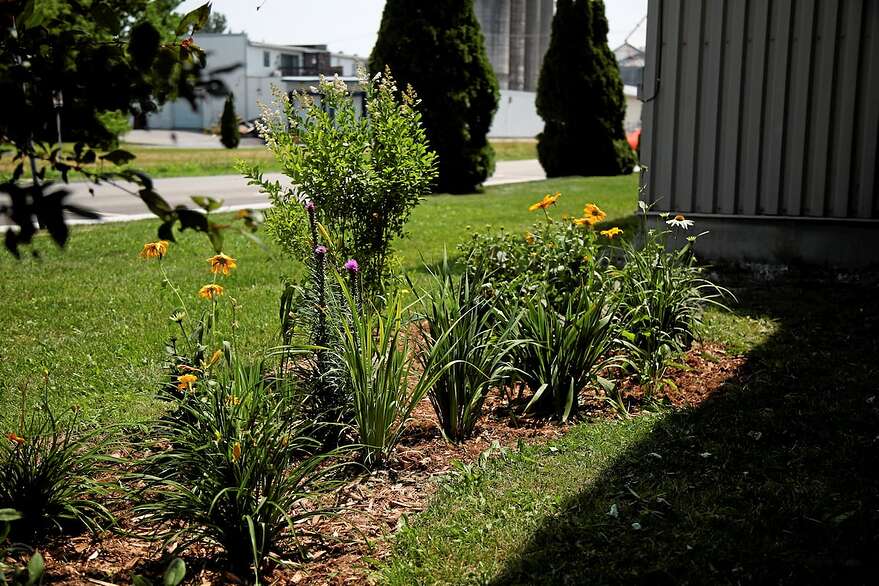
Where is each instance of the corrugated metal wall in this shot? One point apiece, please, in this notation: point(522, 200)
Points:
point(762, 107)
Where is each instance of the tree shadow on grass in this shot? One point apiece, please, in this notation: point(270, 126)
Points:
point(774, 482)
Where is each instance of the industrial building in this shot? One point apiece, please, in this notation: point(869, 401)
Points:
point(761, 123)
point(517, 36)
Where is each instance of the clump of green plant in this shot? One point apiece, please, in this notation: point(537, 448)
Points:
point(48, 472)
point(569, 346)
point(230, 136)
point(465, 342)
point(375, 357)
point(363, 171)
point(553, 256)
point(662, 297)
point(232, 469)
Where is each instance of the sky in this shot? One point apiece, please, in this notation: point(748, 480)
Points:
point(351, 26)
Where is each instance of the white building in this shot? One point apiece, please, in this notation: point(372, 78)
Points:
point(260, 66)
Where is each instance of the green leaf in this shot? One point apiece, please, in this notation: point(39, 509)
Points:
point(118, 157)
point(139, 580)
point(156, 204)
point(196, 19)
point(35, 568)
point(191, 219)
point(8, 515)
point(175, 572)
point(209, 204)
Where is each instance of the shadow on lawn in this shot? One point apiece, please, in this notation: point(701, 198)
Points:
point(774, 482)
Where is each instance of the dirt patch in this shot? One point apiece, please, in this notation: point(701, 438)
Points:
point(343, 548)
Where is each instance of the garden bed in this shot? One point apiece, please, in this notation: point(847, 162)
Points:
point(344, 548)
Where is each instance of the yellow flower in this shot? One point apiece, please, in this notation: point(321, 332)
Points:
point(184, 381)
point(220, 263)
point(582, 221)
point(529, 237)
point(544, 203)
point(211, 291)
point(215, 357)
point(236, 452)
point(232, 400)
point(594, 213)
point(611, 233)
point(156, 249)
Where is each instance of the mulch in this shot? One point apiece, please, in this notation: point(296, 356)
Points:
point(343, 548)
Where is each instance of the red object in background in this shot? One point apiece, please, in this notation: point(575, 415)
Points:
point(634, 139)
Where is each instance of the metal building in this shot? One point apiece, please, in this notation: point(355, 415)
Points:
point(761, 122)
point(517, 34)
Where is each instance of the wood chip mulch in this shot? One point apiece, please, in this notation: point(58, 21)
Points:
point(343, 548)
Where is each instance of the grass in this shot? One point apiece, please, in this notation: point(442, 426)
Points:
point(183, 162)
point(95, 317)
point(772, 481)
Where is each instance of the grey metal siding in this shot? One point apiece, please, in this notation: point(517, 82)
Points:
point(762, 108)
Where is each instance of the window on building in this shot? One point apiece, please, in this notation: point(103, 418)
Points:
point(266, 59)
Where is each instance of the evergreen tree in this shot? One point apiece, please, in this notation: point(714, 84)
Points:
point(229, 134)
point(580, 97)
point(438, 48)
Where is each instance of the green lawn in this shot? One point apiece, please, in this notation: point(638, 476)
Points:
point(773, 481)
point(181, 162)
point(95, 315)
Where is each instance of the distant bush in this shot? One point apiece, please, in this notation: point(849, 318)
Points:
point(230, 136)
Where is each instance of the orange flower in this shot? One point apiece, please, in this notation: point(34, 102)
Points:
point(544, 203)
point(594, 213)
point(220, 263)
point(156, 249)
point(211, 291)
point(185, 381)
point(612, 232)
point(582, 221)
point(236, 452)
point(13, 437)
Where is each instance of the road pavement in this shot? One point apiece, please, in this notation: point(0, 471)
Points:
point(117, 205)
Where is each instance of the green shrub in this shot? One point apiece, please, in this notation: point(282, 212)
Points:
point(230, 136)
point(439, 49)
point(231, 467)
point(13, 574)
point(48, 471)
point(465, 343)
point(553, 256)
point(570, 343)
point(363, 174)
point(580, 97)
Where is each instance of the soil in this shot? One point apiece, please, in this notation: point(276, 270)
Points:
point(344, 548)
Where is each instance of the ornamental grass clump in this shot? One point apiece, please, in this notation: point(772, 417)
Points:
point(234, 469)
point(48, 473)
point(663, 295)
point(385, 386)
point(569, 345)
point(466, 343)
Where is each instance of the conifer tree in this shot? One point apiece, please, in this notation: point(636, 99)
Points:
point(438, 48)
point(229, 133)
point(580, 97)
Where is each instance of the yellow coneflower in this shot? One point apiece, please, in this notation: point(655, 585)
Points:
point(236, 452)
point(156, 249)
point(611, 233)
point(221, 263)
point(544, 203)
point(185, 381)
point(211, 291)
point(594, 213)
point(232, 401)
point(529, 237)
point(14, 438)
point(582, 221)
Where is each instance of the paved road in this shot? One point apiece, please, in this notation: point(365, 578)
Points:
point(114, 204)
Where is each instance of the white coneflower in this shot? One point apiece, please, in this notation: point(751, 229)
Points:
point(679, 221)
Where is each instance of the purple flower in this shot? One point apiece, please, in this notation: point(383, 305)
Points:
point(320, 250)
point(351, 266)
point(309, 205)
